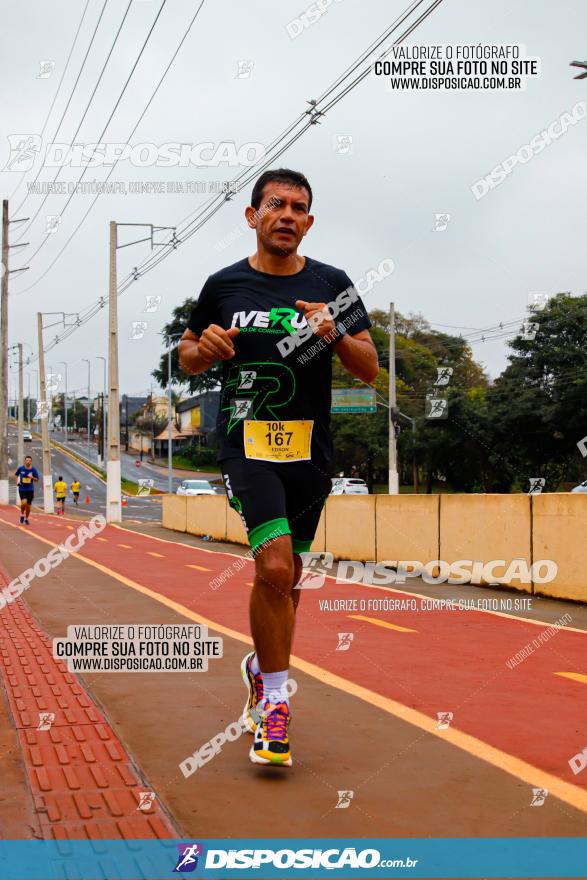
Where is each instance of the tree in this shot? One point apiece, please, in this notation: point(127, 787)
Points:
point(539, 403)
point(196, 384)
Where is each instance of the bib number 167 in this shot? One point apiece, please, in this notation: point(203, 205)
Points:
point(277, 435)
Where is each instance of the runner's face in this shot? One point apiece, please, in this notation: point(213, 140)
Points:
point(28, 461)
point(282, 218)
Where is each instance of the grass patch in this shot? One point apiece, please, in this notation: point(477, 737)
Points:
point(186, 464)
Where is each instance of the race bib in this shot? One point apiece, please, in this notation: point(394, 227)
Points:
point(27, 480)
point(278, 441)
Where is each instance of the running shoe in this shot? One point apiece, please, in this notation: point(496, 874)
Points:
point(271, 745)
point(21, 520)
point(254, 686)
point(26, 522)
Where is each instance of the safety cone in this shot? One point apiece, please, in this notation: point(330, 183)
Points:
point(87, 499)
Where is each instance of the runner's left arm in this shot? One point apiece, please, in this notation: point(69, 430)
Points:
point(357, 352)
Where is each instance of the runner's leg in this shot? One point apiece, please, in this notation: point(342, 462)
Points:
point(271, 608)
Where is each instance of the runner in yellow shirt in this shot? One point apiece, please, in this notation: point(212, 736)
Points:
point(75, 487)
point(60, 493)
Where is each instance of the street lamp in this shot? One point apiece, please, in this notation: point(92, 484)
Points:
point(65, 400)
point(89, 420)
point(100, 357)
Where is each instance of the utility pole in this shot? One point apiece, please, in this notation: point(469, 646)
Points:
point(28, 399)
point(113, 494)
point(20, 423)
point(65, 401)
point(100, 357)
point(169, 422)
point(393, 475)
point(4, 360)
point(89, 419)
point(4, 273)
point(44, 417)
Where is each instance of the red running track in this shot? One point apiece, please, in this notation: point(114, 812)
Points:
point(454, 661)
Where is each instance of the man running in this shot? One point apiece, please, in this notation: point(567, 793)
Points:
point(266, 319)
point(60, 493)
point(75, 487)
point(26, 476)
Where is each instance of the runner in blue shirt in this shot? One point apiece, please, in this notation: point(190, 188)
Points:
point(26, 477)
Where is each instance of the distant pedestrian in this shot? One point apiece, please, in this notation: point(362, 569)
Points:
point(60, 493)
point(26, 477)
point(75, 488)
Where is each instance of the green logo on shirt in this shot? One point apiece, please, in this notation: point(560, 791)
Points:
point(276, 320)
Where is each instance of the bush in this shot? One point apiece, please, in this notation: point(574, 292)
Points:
point(201, 456)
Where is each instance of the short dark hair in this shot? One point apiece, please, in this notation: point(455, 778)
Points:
point(29, 456)
point(279, 175)
point(60, 477)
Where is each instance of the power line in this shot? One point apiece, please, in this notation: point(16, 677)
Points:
point(248, 174)
point(83, 64)
point(149, 102)
point(75, 134)
point(82, 175)
point(73, 45)
point(208, 211)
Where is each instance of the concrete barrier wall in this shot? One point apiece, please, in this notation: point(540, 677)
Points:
point(175, 512)
point(480, 528)
point(319, 544)
point(406, 527)
point(350, 526)
point(484, 528)
point(560, 533)
point(206, 515)
point(235, 530)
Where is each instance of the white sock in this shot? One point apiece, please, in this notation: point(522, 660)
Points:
point(255, 668)
point(274, 688)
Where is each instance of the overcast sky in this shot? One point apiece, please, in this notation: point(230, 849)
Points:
point(414, 154)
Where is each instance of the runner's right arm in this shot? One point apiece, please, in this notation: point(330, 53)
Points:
point(198, 353)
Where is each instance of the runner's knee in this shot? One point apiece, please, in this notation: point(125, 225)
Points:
point(275, 571)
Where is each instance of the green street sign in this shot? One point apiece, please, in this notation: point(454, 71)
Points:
point(353, 400)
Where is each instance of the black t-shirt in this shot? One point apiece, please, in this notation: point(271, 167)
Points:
point(280, 370)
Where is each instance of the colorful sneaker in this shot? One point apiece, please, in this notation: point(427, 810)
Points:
point(254, 686)
point(271, 745)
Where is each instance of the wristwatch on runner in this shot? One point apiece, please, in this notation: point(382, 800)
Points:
point(340, 331)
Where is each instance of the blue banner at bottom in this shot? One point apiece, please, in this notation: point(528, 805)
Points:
point(294, 858)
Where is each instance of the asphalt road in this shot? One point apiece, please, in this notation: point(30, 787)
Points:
point(92, 487)
point(129, 468)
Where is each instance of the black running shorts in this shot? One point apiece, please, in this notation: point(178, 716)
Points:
point(277, 499)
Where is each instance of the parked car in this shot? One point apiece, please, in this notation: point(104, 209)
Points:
point(27, 436)
point(582, 487)
point(195, 487)
point(349, 486)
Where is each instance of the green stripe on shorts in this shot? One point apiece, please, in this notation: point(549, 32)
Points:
point(300, 546)
point(273, 528)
